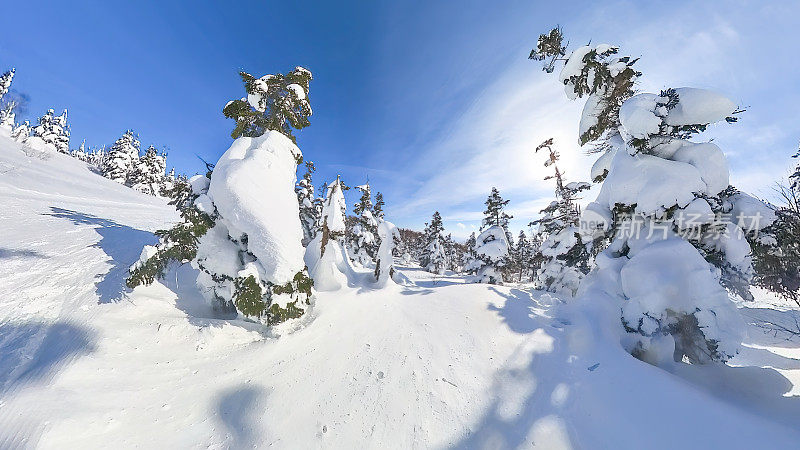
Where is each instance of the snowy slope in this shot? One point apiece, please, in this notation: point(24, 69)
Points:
point(431, 363)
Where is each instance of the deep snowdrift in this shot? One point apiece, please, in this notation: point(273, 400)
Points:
point(431, 363)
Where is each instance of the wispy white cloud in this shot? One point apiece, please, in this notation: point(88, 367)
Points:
point(493, 144)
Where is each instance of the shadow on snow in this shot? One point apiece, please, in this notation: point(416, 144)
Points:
point(122, 244)
point(530, 391)
point(9, 253)
point(238, 410)
point(517, 311)
point(53, 346)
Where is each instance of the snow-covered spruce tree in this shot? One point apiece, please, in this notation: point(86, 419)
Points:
point(97, 157)
point(495, 214)
point(471, 262)
point(388, 240)
point(45, 128)
point(274, 102)
point(310, 209)
point(21, 132)
point(53, 130)
point(80, 153)
point(5, 82)
point(325, 255)
point(492, 244)
point(451, 254)
point(149, 174)
point(521, 257)
point(432, 256)
point(594, 72)
point(7, 117)
point(377, 208)
point(122, 158)
point(776, 249)
point(241, 226)
point(564, 255)
point(536, 258)
point(61, 140)
point(363, 245)
point(666, 206)
point(410, 245)
point(384, 264)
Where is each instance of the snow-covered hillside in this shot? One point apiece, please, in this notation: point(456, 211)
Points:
point(433, 362)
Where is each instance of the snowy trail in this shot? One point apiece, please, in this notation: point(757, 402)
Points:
point(435, 363)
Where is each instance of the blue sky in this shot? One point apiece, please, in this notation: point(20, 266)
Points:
point(434, 102)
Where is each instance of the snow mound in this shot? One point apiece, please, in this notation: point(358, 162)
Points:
point(709, 160)
point(252, 187)
point(493, 243)
point(642, 115)
point(329, 271)
point(694, 214)
point(637, 116)
point(750, 213)
point(649, 182)
point(669, 277)
point(699, 106)
point(560, 243)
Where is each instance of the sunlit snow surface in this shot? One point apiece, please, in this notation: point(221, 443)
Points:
point(430, 362)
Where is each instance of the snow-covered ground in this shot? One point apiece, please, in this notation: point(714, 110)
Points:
point(433, 362)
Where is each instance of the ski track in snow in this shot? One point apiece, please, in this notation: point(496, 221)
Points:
point(430, 364)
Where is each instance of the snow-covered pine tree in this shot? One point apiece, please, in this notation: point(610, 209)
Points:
point(384, 263)
point(97, 158)
point(309, 209)
point(81, 154)
point(170, 180)
point(53, 130)
point(274, 102)
point(665, 205)
point(377, 208)
point(241, 226)
point(44, 128)
point(594, 72)
point(5, 82)
point(495, 214)
point(511, 247)
point(178, 244)
point(451, 253)
point(522, 257)
point(536, 258)
point(492, 244)
point(61, 127)
point(325, 255)
point(410, 245)
point(363, 239)
point(565, 257)
point(432, 256)
point(7, 117)
point(21, 132)
point(122, 158)
point(333, 215)
point(471, 262)
point(776, 249)
point(149, 174)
